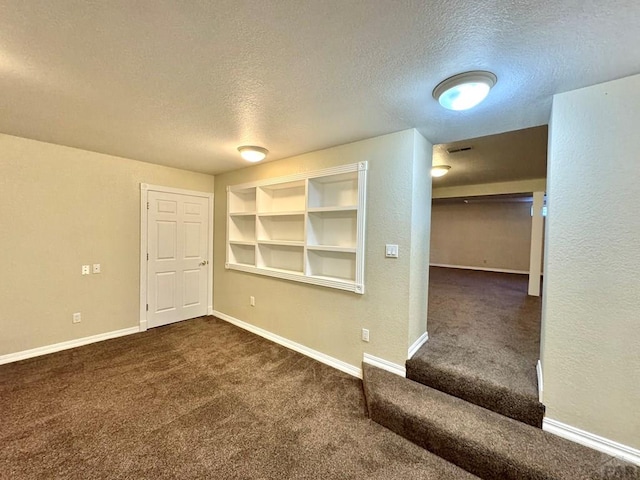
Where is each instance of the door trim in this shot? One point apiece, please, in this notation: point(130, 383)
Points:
point(145, 188)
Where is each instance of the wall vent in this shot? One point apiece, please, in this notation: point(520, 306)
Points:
point(458, 150)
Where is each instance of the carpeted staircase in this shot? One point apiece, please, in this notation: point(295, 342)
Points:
point(444, 365)
point(485, 443)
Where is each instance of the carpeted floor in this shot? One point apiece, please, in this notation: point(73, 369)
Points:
point(484, 335)
point(199, 399)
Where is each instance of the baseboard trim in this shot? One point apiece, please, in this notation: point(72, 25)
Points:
point(591, 440)
point(57, 347)
point(297, 347)
point(384, 364)
point(417, 344)
point(540, 382)
point(481, 269)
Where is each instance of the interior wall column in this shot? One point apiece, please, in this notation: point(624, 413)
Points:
point(535, 256)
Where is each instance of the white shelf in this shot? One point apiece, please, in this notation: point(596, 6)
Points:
point(242, 254)
point(285, 243)
point(307, 227)
point(242, 200)
point(330, 248)
point(281, 257)
point(289, 228)
point(241, 228)
point(333, 209)
point(333, 228)
point(242, 214)
point(281, 214)
point(281, 197)
point(334, 190)
point(331, 264)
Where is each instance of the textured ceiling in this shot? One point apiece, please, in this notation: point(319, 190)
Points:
point(517, 155)
point(184, 83)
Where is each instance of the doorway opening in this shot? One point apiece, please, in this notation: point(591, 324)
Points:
point(484, 312)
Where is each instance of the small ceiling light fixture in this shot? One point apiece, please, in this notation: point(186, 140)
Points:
point(440, 170)
point(251, 153)
point(465, 90)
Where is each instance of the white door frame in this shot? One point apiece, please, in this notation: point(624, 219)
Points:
point(144, 198)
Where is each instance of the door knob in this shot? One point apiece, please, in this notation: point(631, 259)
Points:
point(204, 262)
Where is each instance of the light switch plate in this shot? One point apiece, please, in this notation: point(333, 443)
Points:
point(96, 268)
point(391, 251)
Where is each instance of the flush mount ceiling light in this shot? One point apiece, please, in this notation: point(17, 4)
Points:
point(252, 153)
point(465, 90)
point(440, 170)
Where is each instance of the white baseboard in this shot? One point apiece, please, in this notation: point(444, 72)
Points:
point(309, 352)
point(56, 347)
point(417, 344)
point(481, 269)
point(540, 381)
point(596, 442)
point(384, 364)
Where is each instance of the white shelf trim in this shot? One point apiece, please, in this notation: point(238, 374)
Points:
point(331, 248)
point(353, 167)
point(284, 243)
point(242, 242)
point(281, 214)
point(242, 214)
point(350, 208)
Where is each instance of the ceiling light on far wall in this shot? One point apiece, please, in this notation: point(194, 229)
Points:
point(252, 153)
point(465, 90)
point(440, 170)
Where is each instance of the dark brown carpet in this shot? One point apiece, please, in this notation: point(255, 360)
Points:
point(485, 443)
point(199, 399)
point(484, 341)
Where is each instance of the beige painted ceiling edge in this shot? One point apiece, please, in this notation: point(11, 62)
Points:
point(184, 84)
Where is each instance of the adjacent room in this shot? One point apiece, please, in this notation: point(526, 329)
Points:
point(223, 253)
point(484, 315)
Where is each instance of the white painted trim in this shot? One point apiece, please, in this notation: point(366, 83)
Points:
point(145, 188)
point(347, 168)
point(481, 269)
point(540, 381)
point(537, 244)
point(591, 440)
point(384, 364)
point(422, 339)
point(56, 347)
point(297, 347)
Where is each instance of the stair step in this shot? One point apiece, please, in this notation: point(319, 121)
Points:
point(484, 443)
point(518, 404)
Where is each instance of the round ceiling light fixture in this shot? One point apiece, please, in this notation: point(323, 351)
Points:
point(440, 170)
point(465, 90)
point(251, 153)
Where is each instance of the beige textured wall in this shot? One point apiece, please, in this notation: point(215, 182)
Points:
point(326, 319)
point(60, 208)
point(485, 235)
point(591, 309)
point(420, 238)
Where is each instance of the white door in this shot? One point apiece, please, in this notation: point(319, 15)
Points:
point(177, 265)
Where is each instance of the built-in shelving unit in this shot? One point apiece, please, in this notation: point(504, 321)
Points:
point(307, 227)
